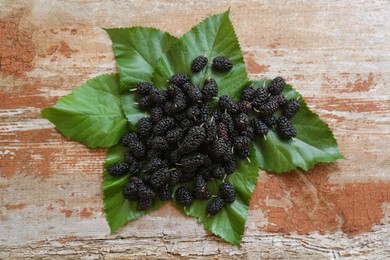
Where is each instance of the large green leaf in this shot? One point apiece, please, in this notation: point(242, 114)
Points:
point(314, 142)
point(229, 223)
point(137, 51)
point(213, 37)
point(118, 209)
point(91, 114)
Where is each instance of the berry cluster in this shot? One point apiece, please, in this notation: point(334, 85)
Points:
point(186, 141)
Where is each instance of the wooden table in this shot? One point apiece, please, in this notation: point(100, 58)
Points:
point(336, 53)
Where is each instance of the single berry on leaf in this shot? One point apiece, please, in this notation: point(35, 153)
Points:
point(118, 169)
point(285, 128)
point(144, 88)
point(227, 192)
point(184, 196)
point(179, 79)
point(291, 108)
point(215, 206)
point(199, 63)
point(276, 86)
point(222, 64)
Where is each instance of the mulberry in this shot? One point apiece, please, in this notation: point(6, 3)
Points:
point(227, 192)
point(154, 164)
point(199, 63)
point(260, 98)
point(259, 127)
point(249, 132)
point(146, 102)
point(163, 125)
point(243, 154)
point(218, 148)
point(184, 196)
point(156, 114)
point(193, 113)
point(291, 108)
point(203, 195)
point(242, 121)
point(279, 99)
point(179, 79)
point(160, 143)
point(285, 128)
point(215, 206)
point(241, 142)
point(270, 121)
point(199, 183)
point(223, 131)
point(159, 177)
point(129, 158)
point(230, 166)
point(190, 163)
point(248, 94)
point(245, 106)
point(205, 112)
point(144, 126)
point(130, 191)
point(175, 175)
point(218, 172)
point(194, 94)
point(179, 103)
point(210, 89)
point(173, 90)
point(144, 88)
point(193, 139)
point(136, 167)
point(118, 169)
point(174, 136)
point(137, 148)
point(144, 204)
point(268, 108)
point(129, 138)
point(205, 172)
point(145, 192)
point(211, 131)
point(222, 64)
point(276, 86)
point(228, 121)
point(159, 97)
point(165, 193)
point(229, 104)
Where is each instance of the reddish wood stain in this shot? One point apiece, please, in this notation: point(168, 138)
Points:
point(301, 203)
point(16, 48)
point(52, 49)
point(15, 206)
point(68, 212)
point(361, 84)
point(65, 49)
point(85, 213)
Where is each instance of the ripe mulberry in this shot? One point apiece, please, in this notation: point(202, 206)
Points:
point(268, 108)
point(229, 104)
point(145, 192)
point(160, 143)
point(241, 142)
point(184, 196)
point(227, 191)
point(211, 131)
point(223, 131)
point(218, 148)
point(179, 79)
point(144, 88)
point(242, 121)
point(136, 167)
point(146, 102)
point(165, 193)
point(270, 121)
point(159, 97)
point(118, 169)
point(199, 63)
point(243, 154)
point(144, 204)
point(159, 177)
point(215, 206)
point(129, 158)
point(129, 138)
point(260, 98)
point(285, 128)
point(156, 114)
point(130, 191)
point(190, 163)
point(175, 175)
point(248, 94)
point(230, 166)
point(163, 125)
point(210, 89)
point(193, 139)
point(194, 94)
point(222, 64)
point(193, 113)
point(218, 172)
point(245, 106)
point(174, 136)
point(154, 164)
point(144, 126)
point(279, 99)
point(249, 132)
point(276, 86)
point(259, 127)
point(291, 108)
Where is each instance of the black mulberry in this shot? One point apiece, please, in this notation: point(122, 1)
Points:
point(129, 138)
point(165, 193)
point(268, 108)
point(159, 177)
point(229, 104)
point(245, 106)
point(174, 135)
point(146, 102)
point(190, 163)
point(160, 143)
point(163, 125)
point(218, 148)
point(242, 121)
point(291, 108)
point(215, 206)
point(159, 97)
point(144, 126)
point(285, 128)
point(260, 98)
point(118, 169)
point(279, 99)
point(270, 121)
point(136, 167)
point(156, 114)
point(210, 89)
point(227, 191)
point(248, 94)
point(222, 64)
point(259, 127)
point(218, 172)
point(184, 196)
point(199, 63)
point(144, 88)
point(241, 142)
point(145, 192)
point(179, 79)
point(276, 86)
point(194, 94)
point(194, 138)
point(230, 166)
point(144, 204)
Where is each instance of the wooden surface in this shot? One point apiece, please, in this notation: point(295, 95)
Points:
point(336, 53)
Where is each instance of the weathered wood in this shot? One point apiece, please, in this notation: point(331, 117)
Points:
point(336, 53)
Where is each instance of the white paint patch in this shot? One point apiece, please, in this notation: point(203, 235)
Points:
point(25, 125)
point(7, 153)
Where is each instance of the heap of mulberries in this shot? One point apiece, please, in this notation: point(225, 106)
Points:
point(185, 144)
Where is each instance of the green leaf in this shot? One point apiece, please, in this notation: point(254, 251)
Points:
point(314, 142)
point(118, 209)
point(229, 223)
point(132, 111)
point(213, 37)
point(137, 51)
point(91, 114)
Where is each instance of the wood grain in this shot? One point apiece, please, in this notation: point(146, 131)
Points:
point(336, 53)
